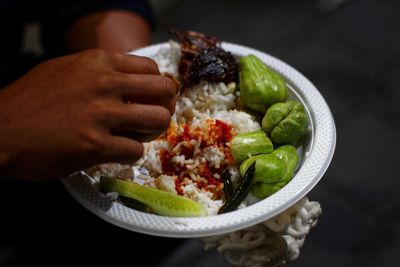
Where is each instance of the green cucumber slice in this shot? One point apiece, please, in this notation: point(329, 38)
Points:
point(161, 202)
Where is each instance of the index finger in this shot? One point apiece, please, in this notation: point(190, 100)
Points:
point(126, 63)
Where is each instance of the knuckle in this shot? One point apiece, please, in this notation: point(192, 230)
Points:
point(94, 56)
point(91, 142)
point(96, 53)
point(97, 106)
point(98, 111)
point(106, 80)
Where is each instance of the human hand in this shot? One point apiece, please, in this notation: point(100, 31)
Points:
point(71, 113)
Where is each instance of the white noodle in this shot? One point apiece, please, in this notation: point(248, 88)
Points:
point(270, 243)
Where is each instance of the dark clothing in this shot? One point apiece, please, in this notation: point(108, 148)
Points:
point(54, 18)
point(42, 225)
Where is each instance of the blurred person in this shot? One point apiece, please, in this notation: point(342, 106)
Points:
point(80, 101)
point(71, 112)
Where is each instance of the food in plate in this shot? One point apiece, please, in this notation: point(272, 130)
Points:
point(160, 202)
point(285, 123)
point(222, 150)
point(260, 87)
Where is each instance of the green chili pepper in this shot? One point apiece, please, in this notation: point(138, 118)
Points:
point(228, 187)
point(241, 191)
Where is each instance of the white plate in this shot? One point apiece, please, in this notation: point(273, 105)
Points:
point(317, 153)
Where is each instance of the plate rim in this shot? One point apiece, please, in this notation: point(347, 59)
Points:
point(94, 201)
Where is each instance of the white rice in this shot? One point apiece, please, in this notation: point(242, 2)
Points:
point(168, 58)
point(196, 105)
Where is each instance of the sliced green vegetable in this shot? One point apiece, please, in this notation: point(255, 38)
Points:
point(247, 163)
point(134, 204)
point(286, 123)
point(161, 202)
point(274, 170)
point(240, 193)
point(270, 169)
point(249, 144)
point(260, 87)
point(264, 190)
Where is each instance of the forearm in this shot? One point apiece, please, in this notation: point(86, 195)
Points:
point(68, 114)
point(112, 30)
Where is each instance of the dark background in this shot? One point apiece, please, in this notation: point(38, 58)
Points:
point(351, 53)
